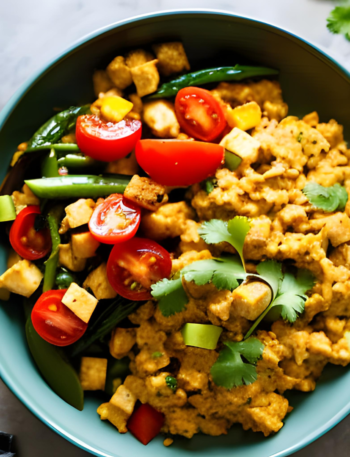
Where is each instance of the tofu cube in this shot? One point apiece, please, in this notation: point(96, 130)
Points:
point(138, 57)
point(102, 82)
point(160, 116)
point(80, 302)
point(242, 144)
point(125, 166)
point(122, 341)
point(251, 299)
point(79, 212)
point(67, 259)
point(24, 198)
point(98, 282)
point(119, 73)
point(114, 415)
point(146, 78)
point(146, 193)
point(244, 117)
point(23, 278)
point(84, 245)
point(93, 373)
point(172, 58)
point(124, 399)
point(114, 109)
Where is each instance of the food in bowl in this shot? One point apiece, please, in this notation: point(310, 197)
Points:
point(205, 271)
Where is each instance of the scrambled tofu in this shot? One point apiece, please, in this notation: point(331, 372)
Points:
point(93, 373)
point(146, 78)
point(171, 57)
point(160, 116)
point(119, 73)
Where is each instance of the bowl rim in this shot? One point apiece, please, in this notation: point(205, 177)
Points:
point(16, 98)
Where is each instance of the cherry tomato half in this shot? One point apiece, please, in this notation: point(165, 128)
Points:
point(179, 162)
point(54, 322)
point(29, 243)
point(115, 220)
point(135, 265)
point(106, 141)
point(199, 113)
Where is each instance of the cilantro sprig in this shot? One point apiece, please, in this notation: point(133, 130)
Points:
point(230, 370)
point(326, 198)
point(339, 21)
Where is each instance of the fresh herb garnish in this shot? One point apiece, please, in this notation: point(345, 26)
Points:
point(339, 21)
point(230, 370)
point(209, 185)
point(156, 355)
point(326, 198)
point(171, 382)
point(171, 296)
point(233, 232)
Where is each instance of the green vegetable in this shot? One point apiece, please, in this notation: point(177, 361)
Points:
point(232, 161)
point(328, 199)
point(211, 75)
point(7, 209)
point(230, 370)
point(116, 369)
point(100, 326)
point(347, 336)
point(233, 232)
point(271, 272)
point(156, 355)
point(55, 368)
point(57, 147)
point(171, 382)
point(201, 335)
point(79, 161)
point(53, 219)
point(339, 21)
point(49, 166)
point(171, 296)
point(64, 279)
point(209, 185)
point(289, 300)
point(56, 127)
point(75, 186)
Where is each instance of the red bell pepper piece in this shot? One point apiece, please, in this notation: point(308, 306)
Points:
point(145, 423)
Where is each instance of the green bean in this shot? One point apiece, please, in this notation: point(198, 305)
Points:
point(53, 218)
point(74, 186)
point(49, 166)
point(211, 75)
point(55, 368)
point(79, 161)
point(57, 147)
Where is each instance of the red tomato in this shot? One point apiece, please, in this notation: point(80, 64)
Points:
point(104, 140)
point(115, 220)
point(54, 322)
point(25, 240)
point(145, 423)
point(179, 162)
point(135, 265)
point(199, 113)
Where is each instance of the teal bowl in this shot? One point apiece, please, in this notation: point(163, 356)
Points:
point(310, 80)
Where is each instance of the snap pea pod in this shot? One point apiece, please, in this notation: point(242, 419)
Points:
point(56, 146)
point(54, 129)
point(65, 278)
point(49, 166)
point(211, 75)
point(79, 161)
point(55, 368)
point(53, 219)
point(78, 186)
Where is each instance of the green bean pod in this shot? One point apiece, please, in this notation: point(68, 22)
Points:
point(56, 146)
point(79, 161)
point(49, 166)
point(211, 75)
point(53, 219)
point(55, 368)
point(75, 186)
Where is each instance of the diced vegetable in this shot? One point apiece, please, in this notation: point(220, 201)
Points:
point(201, 335)
point(7, 209)
point(78, 186)
point(114, 109)
point(145, 423)
point(245, 117)
point(171, 382)
point(65, 278)
point(232, 161)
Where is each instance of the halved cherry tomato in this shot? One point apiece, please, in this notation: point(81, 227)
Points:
point(199, 113)
point(135, 265)
point(104, 140)
point(115, 220)
point(179, 162)
point(54, 322)
point(29, 243)
point(145, 423)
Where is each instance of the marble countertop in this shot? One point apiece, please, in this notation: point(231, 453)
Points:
point(32, 32)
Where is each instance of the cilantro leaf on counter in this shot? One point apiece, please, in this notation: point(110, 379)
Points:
point(339, 21)
point(230, 370)
point(233, 232)
point(327, 198)
point(171, 296)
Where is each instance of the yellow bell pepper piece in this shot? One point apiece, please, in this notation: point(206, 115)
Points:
point(244, 117)
point(114, 109)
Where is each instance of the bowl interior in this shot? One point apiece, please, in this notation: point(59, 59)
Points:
point(310, 81)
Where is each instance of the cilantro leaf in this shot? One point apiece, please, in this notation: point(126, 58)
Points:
point(171, 296)
point(300, 284)
point(230, 370)
point(233, 232)
point(271, 272)
point(171, 382)
point(291, 304)
point(222, 272)
point(339, 21)
point(327, 198)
